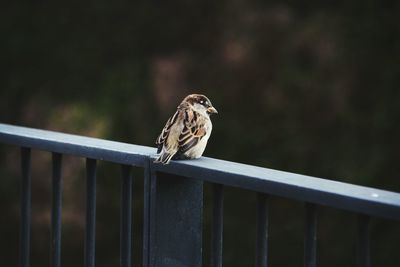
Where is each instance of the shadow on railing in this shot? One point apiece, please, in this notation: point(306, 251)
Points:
point(174, 193)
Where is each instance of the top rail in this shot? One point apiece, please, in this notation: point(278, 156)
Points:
point(335, 194)
point(75, 145)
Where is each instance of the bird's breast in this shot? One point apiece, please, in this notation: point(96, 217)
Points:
point(198, 150)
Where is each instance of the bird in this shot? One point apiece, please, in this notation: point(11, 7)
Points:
point(186, 133)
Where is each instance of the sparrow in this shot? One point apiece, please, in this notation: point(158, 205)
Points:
point(186, 133)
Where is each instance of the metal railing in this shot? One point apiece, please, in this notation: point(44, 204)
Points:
point(174, 193)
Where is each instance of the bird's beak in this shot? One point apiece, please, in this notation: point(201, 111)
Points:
point(212, 110)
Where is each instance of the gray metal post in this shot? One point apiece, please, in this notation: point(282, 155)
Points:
point(174, 221)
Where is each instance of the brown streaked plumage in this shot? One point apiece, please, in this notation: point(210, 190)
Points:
point(186, 133)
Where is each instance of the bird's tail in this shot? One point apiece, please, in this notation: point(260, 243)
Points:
point(164, 158)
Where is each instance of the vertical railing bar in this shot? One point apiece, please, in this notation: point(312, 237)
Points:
point(217, 225)
point(126, 217)
point(90, 213)
point(310, 236)
point(25, 207)
point(363, 240)
point(146, 213)
point(152, 260)
point(56, 211)
point(262, 230)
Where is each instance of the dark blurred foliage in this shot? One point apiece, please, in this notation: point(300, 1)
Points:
point(307, 87)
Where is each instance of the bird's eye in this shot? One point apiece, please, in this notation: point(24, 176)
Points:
point(201, 102)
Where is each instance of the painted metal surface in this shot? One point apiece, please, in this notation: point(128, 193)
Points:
point(299, 187)
point(262, 230)
point(310, 236)
point(176, 222)
point(56, 210)
point(173, 200)
point(126, 217)
point(217, 229)
point(90, 231)
point(26, 197)
point(363, 240)
point(81, 146)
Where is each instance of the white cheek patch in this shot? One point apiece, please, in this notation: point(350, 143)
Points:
point(200, 109)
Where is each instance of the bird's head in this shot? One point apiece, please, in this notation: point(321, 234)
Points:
point(201, 103)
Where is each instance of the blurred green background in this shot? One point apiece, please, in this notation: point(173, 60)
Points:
point(306, 87)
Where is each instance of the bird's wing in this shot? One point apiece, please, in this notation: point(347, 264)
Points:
point(165, 132)
point(193, 130)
